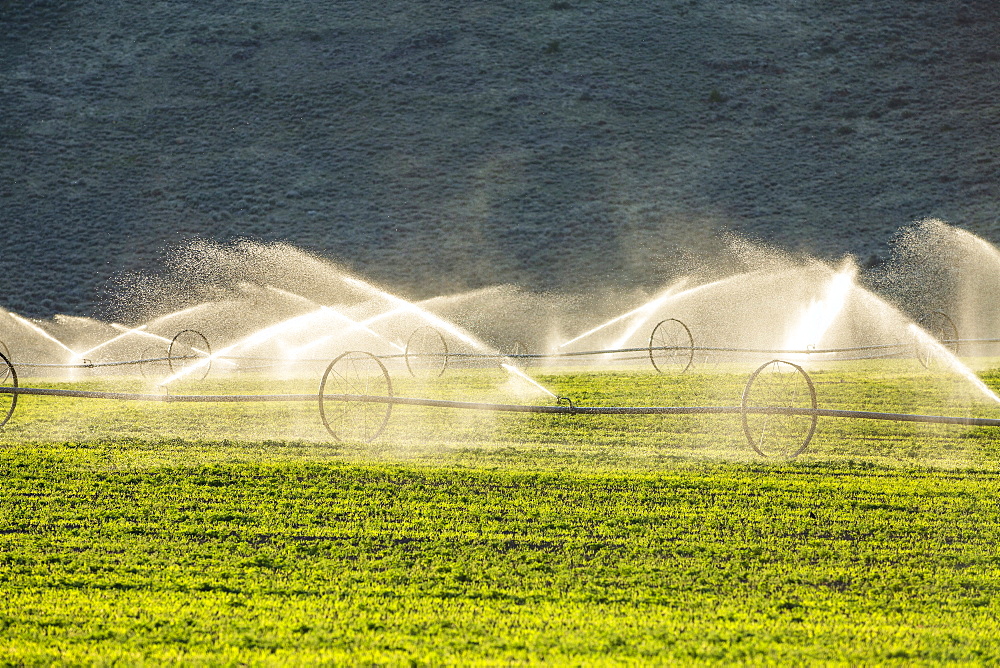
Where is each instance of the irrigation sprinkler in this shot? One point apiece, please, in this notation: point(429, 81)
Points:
point(436, 357)
point(671, 346)
point(426, 353)
point(518, 353)
point(350, 375)
point(189, 348)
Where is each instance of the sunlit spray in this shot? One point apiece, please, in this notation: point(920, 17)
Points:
point(448, 327)
point(641, 314)
point(820, 314)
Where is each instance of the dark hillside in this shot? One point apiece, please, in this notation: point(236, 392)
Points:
point(437, 146)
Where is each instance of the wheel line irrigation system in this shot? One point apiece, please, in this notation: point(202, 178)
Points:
point(344, 409)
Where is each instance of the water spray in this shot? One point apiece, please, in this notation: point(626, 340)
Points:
point(646, 310)
point(38, 330)
point(819, 316)
point(436, 321)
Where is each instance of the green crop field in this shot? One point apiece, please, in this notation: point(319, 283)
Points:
point(243, 534)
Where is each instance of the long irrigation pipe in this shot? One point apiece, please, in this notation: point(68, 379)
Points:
point(87, 364)
point(570, 409)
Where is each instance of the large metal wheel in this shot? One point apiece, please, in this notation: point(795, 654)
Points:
point(8, 401)
point(774, 432)
point(943, 329)
point(189, 349)
point(426, 353)
point(355, 397)
point(671, 346)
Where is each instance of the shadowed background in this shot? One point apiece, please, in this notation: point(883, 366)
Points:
point(436, 146)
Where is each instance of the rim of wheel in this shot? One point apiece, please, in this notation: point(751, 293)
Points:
point(426, 337)
point(194, 342)
point(672, 341)
point(10, 380)
point(355, 374)
point(772, 422)
point(5, 371)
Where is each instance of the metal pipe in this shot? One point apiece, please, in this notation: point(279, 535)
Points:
point(515, 356)
point(511, 408)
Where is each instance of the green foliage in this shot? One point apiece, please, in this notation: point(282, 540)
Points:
point(381, 563)
point(568, 541)
point(715, 97)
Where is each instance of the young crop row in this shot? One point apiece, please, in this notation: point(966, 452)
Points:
point(379, 562)
point(152, 533)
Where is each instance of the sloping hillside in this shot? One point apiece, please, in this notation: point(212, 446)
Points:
point(436, 145)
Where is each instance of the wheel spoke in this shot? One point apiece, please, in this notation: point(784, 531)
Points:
point(355, 373)
point(778, 385)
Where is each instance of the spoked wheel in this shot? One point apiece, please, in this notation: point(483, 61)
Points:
point(355, 397)
point(671, 346)
point(942, 328)
point(189, 349)
point(774, 387)
point(426, 353)
point(8, 401)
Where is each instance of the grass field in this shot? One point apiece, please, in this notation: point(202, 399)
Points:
point(227, 534)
